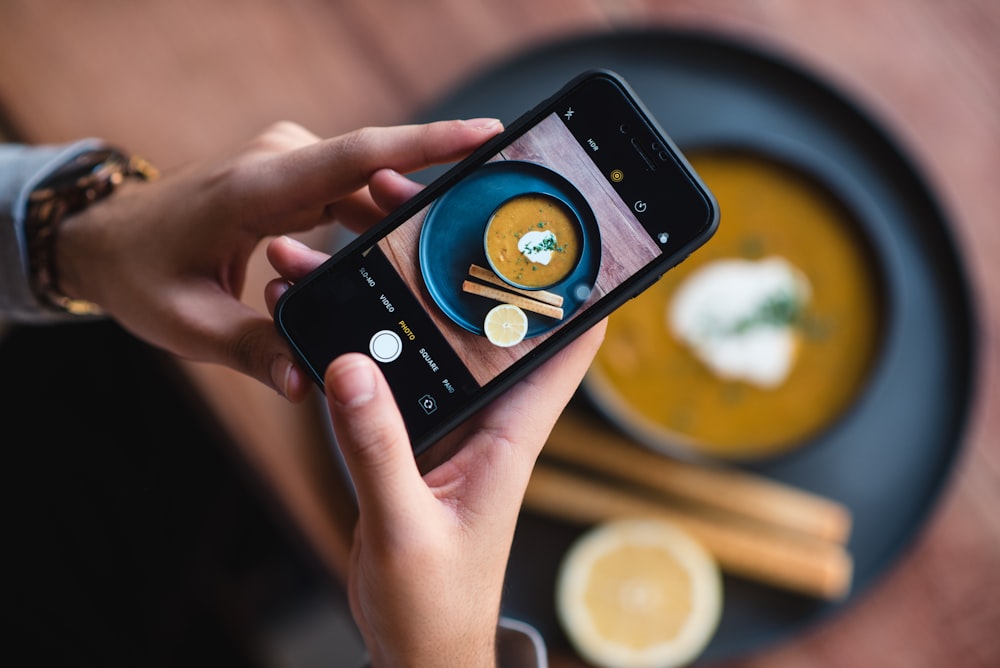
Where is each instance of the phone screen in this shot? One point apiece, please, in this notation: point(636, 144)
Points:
point(586, 202)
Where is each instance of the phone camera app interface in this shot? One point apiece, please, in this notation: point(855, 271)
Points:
point(520, 246)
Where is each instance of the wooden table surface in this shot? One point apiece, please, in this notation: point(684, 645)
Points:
point(183, 80)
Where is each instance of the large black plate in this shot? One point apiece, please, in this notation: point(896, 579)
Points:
point(887, 460)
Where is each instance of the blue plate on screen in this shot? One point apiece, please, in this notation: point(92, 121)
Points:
point(451, 240)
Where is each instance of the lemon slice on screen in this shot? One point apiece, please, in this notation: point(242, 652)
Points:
point(638, 594)
point(506, 325)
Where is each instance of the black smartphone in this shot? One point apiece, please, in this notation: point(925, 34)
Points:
point(579, 205)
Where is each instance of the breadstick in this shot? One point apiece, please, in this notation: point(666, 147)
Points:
point(484, 274)
point(747, 549)
point(740, 492)
point(511, 298)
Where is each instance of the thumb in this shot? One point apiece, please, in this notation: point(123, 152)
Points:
point(372, 437)
point(244, 340)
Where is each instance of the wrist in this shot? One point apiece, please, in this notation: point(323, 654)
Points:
point(449, 656)
point(90, 177)
point(92, 246)
point(434, 645)
point(76, 258)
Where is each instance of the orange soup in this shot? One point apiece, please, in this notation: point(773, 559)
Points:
point(767, 360)
point(533, 241)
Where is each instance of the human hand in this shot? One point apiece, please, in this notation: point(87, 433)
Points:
point(430, 551)
point(167, 259)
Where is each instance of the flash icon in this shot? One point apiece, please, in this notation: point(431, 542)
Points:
point(569, 113)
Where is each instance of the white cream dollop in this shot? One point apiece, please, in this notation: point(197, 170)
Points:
point(738, 317)
point(537, 246)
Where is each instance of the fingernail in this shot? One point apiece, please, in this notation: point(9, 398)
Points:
point(482, 123)
point(351, 383)
point(293, 241)
point(281, 374)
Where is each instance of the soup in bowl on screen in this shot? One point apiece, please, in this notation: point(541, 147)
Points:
point(533, 241)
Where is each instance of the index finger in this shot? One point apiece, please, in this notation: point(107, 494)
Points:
point(328, 170)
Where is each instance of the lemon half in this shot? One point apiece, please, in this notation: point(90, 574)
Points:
point(638, 594)
point(506, 325)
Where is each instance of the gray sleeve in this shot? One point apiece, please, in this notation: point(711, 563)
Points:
point(21, 169)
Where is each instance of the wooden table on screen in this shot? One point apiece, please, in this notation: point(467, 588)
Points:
point(183, 80)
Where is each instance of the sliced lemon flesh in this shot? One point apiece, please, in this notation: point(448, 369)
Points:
point(638, 594)
point(506, 325)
